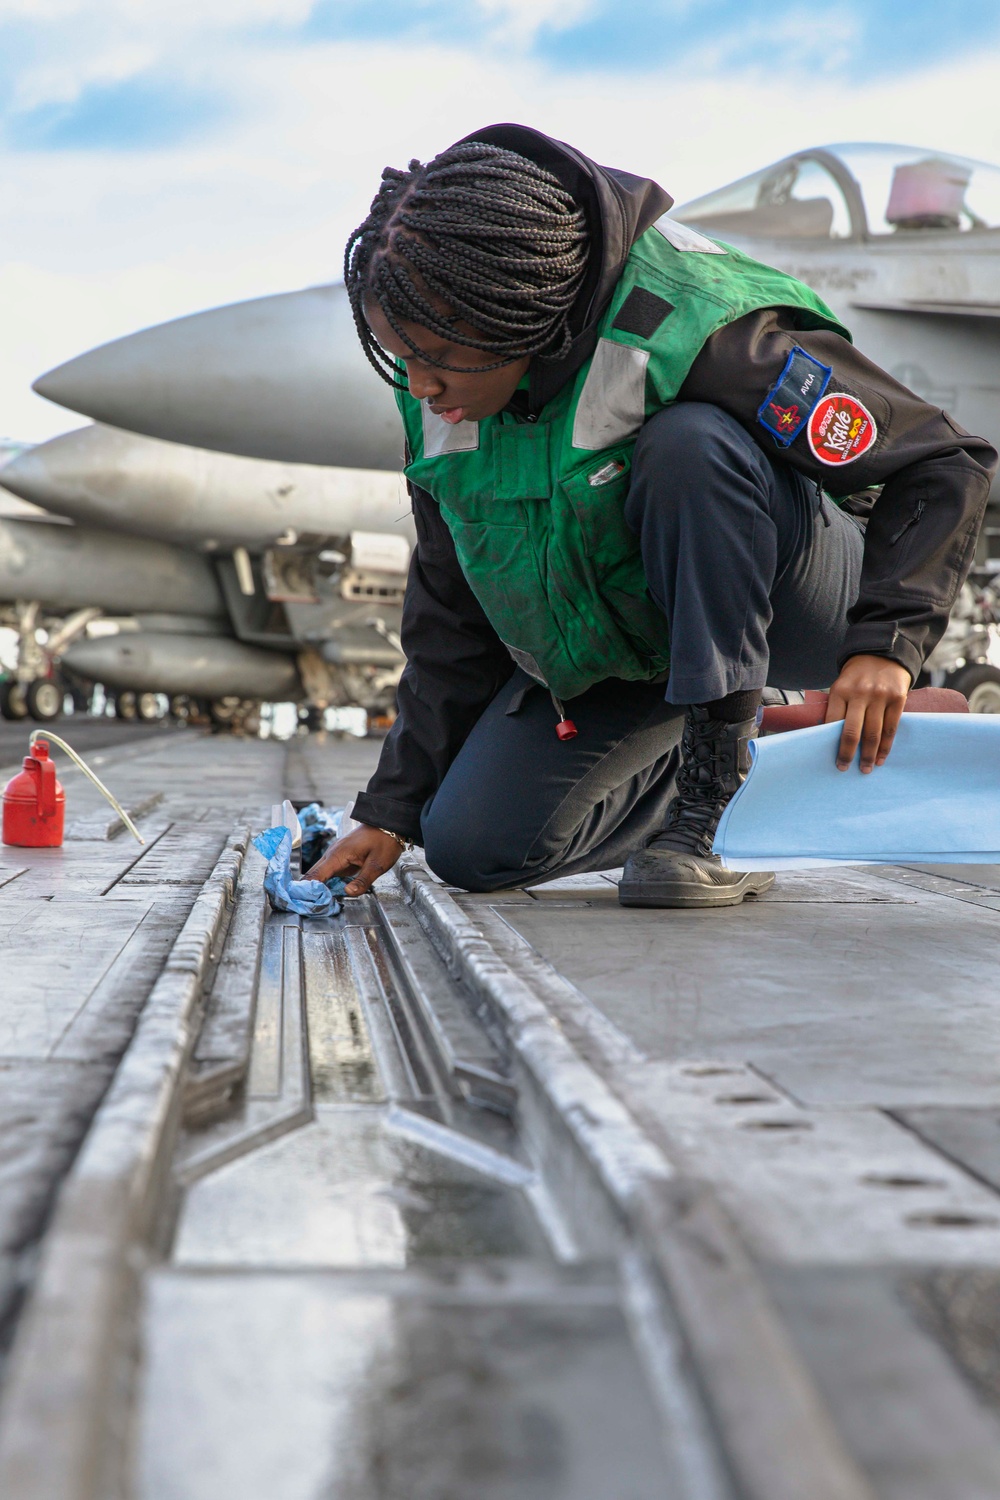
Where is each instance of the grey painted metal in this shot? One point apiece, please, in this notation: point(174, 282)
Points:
point(102, 826)
point(48, 983)
point(919, 1432)
point(376, 1268)
point(70, 567)
point(221, 1055)
point(103, 476)
point(204, 666)
point(279, 378)
point(495, 1381)
point(48, 1093)
point(778, 1436)
point(275, 1093)
point(373, 1191)
point(57, 1434)
point(794, 1178)
point(403, 1072)
point(809, 1185)
point(970, 1137)
point(90, 733)
point(12, 508)
point(472, 1065)
point(806, 1022)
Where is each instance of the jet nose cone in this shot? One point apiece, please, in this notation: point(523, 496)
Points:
point(62, 385)
point(102, 476)
point(36, 475)
point(280, 377)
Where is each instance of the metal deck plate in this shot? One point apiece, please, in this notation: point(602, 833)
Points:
point(839, 1000)
point(708, 1194)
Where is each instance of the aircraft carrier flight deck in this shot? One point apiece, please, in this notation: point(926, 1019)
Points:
point(504, 1196)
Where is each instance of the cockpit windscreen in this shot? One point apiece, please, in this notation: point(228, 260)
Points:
point(843, 192)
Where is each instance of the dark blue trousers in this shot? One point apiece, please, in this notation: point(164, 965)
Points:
point(755, 572)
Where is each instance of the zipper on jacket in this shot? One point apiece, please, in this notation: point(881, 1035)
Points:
point(917, 513)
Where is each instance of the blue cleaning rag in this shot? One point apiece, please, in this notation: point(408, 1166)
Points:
point(935, 801)
point(309, 898)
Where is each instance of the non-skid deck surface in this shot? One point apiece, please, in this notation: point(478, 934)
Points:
point(844, 990)
point(370, 1287)
point(84, 932)
point(828, 1057)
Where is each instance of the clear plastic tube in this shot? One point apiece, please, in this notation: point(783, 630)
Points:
point(45, 734)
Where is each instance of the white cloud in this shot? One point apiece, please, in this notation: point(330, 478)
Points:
point(96, 244)
point(518, 22)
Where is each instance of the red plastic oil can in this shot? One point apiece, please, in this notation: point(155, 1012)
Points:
point(34, 803)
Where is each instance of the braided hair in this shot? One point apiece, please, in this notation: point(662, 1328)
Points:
point(488, 234)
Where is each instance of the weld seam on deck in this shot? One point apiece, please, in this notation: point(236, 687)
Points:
point(61, 1414)
point(775, 1429)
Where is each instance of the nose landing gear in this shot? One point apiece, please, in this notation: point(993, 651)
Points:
point(44, 699)
point(981, 685)
point(13, 704)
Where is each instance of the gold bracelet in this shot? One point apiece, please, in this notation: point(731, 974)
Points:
point(404, 844)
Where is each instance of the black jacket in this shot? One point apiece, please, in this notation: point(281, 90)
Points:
point(919, 543)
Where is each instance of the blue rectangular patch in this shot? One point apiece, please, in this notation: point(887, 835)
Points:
point(789, 403)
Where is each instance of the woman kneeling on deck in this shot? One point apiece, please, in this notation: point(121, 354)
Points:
point(617, 431)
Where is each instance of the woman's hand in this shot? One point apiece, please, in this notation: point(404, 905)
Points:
point(868, 695)
point(366, 853)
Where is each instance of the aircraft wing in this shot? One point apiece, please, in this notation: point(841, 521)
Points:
point(934, 309)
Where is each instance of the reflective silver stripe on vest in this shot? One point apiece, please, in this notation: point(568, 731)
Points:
point(684, 238)
point(612, 404)
point(447, 437)
point(527, 663)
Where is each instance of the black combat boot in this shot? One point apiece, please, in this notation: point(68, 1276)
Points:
point(677, 866)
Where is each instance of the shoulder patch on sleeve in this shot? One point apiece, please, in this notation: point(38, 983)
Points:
point(792, 399)
point(642, 312)
point(841, 429)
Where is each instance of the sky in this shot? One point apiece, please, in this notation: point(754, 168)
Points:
point(161, 156)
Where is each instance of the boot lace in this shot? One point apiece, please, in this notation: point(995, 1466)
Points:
point(709, 774)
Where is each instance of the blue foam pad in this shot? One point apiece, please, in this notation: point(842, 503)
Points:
point(935, 801)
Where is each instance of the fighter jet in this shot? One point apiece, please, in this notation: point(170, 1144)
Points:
point(57, 578)
point(311, 552)
point(280, 377)
point(10, 504)
point(306, 569)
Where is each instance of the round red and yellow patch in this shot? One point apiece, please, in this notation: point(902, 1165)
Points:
point(840, 429)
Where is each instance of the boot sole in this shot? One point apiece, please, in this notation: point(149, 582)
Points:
point(688, 898)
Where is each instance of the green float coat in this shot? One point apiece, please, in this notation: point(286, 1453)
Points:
point(536, 508)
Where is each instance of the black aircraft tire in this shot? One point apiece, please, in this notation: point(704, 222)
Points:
point(149, 708)
point(222, 711)
point(981, 685)
point(12, 701)
point(44, 699)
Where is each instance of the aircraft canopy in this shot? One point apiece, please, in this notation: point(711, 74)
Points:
point(851, 191)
